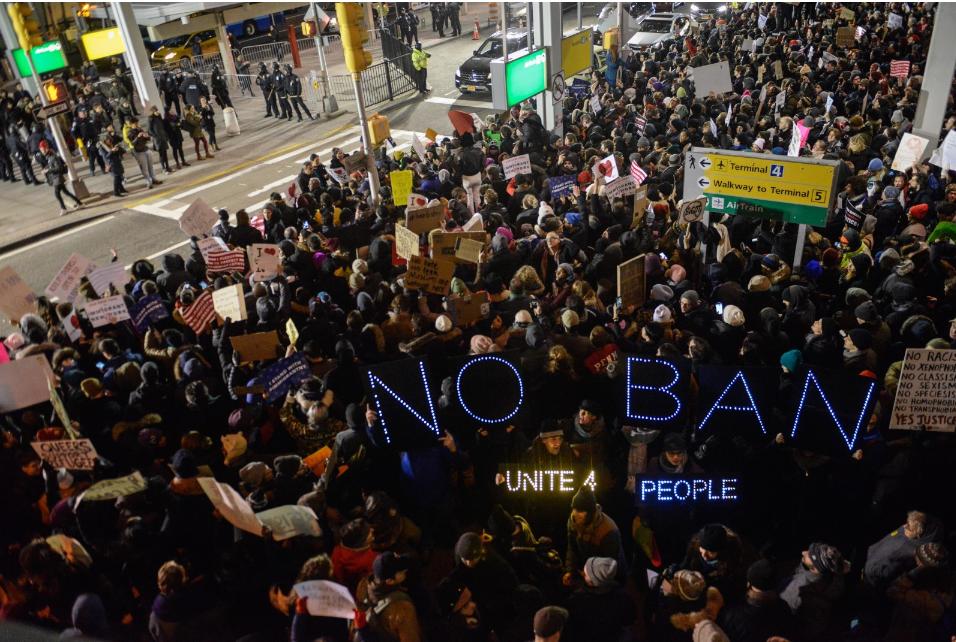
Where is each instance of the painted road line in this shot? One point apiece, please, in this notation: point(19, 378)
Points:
point(56, 237)
point(441, 100)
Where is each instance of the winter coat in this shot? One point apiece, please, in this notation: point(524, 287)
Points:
point(598, 613)
point(893, 555)
point(350, 565)
point(758, 618)
point(391, 613)
point(811, 598)
point(599, 538)
point(492, 583)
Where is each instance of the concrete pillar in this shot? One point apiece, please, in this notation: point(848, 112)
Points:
point(937, 77)
point(10, 39)
point(136, 57)
point(225, 51)
point(548, 31)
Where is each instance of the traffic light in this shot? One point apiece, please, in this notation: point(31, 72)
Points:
point(309, 30)
point(354, 35)
point(25, 25)
point(55, 91)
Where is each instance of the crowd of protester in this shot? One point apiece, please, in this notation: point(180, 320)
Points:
point(842, 546)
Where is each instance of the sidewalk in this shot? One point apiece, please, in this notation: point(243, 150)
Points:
point(33, 214)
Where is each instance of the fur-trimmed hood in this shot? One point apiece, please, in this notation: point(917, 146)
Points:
point(687, 621)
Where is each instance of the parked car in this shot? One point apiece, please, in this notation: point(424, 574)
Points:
point(175, 50)
point(660, 29)
point(474, 75)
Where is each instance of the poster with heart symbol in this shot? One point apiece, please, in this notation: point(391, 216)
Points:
point(606, 168)
point(264, 260)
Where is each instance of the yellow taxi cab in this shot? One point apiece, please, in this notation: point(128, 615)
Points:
point(182, 48)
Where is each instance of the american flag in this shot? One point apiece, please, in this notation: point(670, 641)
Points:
point(226, 261)
point(639, 174)
point(639, 124)
point(201, 313)
point(900, 68)
point(860, 32)
point(259, 223)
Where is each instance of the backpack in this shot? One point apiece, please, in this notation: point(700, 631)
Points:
point(376, 631)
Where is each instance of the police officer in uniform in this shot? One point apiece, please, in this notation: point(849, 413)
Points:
point(264, 80)
point(293, 87)
point(278, 82)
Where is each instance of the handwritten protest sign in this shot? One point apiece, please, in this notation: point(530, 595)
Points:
point(326, 599)
point(116, 487)
point(444, 244)
point(468, 310)
point(24, 382)
point(279, 378)
point(72, 454)
point(401, 185)
point(231, 505)
point(620, 187)
point(711, 78)
point(60, 409)
point(845, 37)
point(146, 311)
point(692, 211)
point(211, 244)
point(260, 346)
point(606, 168)
point(631, 285)
point(424, 219)
point(230, 303)
point(517, 165)
point(16, 297)
point(894, 21)
point(429, 275)
point(113, 274)
point(909, 152)
point(416, 201)
point(924, 396)
point(66, 282)
point(264, 261)
point(468, 250)
point(418, 146)
point(406, 242)
point(596, 106)
point(111, 309)
point(290, 521)
point(355, 161)
point(198, 219)
point(562, 185)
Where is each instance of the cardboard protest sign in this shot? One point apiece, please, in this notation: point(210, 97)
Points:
point(16, 297)
point(711, 78)
point(606, 168)
point(924, 396)
point(468, 310)
point(401, 185)
point(60, 410)
point(289, 521)
point(355, 161)
point(209, 244)
point(111, 309)
point(429, 275)
point(24, 382)
point(291, 331)
point(72, 454)
point(692, 211)
point(198, 219)
point(516, 165)
point(418, 146)
point(113, 274)
point(431, 134)
point(231, 505)
point(620, 187)
point(640, 204)
point(596, 106)
point(468, 250)
point(116, 487)
point(230, 303)
point(631, 284)
point(66, 282)
point(444, 244)
point(406, 242)
point(425, 219)
point(894, 21)
point(282, 375)
point(260, 346)
point(780, 100)
point(265, 260)
point(845, 37)
point(847, 14)
point(562, 185)
point(909, 152)
point(326, 599)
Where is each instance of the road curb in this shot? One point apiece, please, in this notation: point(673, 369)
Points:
point(66, 225)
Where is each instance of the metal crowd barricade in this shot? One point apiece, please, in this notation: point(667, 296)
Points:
point(272, 51)
point(382, 82)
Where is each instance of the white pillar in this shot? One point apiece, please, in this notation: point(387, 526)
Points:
point(136, 56)
point(937, 77)
point(548, 31)
point(10, 38)
point(225, 50)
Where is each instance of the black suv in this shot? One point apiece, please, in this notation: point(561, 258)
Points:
point(474, 75)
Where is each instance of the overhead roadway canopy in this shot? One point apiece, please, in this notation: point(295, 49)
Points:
point(163, 20)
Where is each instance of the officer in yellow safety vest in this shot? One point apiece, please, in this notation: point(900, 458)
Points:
point(420, 63)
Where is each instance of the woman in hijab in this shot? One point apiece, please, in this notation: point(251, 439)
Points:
point(799, 314)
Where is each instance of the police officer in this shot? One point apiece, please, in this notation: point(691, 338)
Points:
point(264, 81)
point(217, 83)
point(192, 88)
point(293, 87)
point(170, 89)
point(282, 93)
point(19, 151)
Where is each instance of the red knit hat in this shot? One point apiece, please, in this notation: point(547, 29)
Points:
point(919, 211)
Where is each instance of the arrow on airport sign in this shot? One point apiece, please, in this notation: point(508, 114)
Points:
point(705, 162)
point(703, 182)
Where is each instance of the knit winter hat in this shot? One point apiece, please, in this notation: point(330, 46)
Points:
point(692, 296)
point(791, 360)
point(254, 474)
point(601, 570)
point(933, 555)
point(867, 311)
point(827, 559)
point(759, 283)
point(861, 338)
point(480, 344)
point(443, 324)
point(662, 314)
point(584, 500)
point(549, 620)
point(661, 292)
point(733, 316)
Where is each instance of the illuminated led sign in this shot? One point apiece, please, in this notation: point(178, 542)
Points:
point(537, 480)
point(687, 490)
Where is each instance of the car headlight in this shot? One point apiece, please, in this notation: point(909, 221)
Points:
point(171, 54)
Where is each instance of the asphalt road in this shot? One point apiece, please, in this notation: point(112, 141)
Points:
point(265, 158)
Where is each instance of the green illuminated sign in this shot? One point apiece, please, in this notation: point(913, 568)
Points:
point(525, 76)
point(46, 57)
